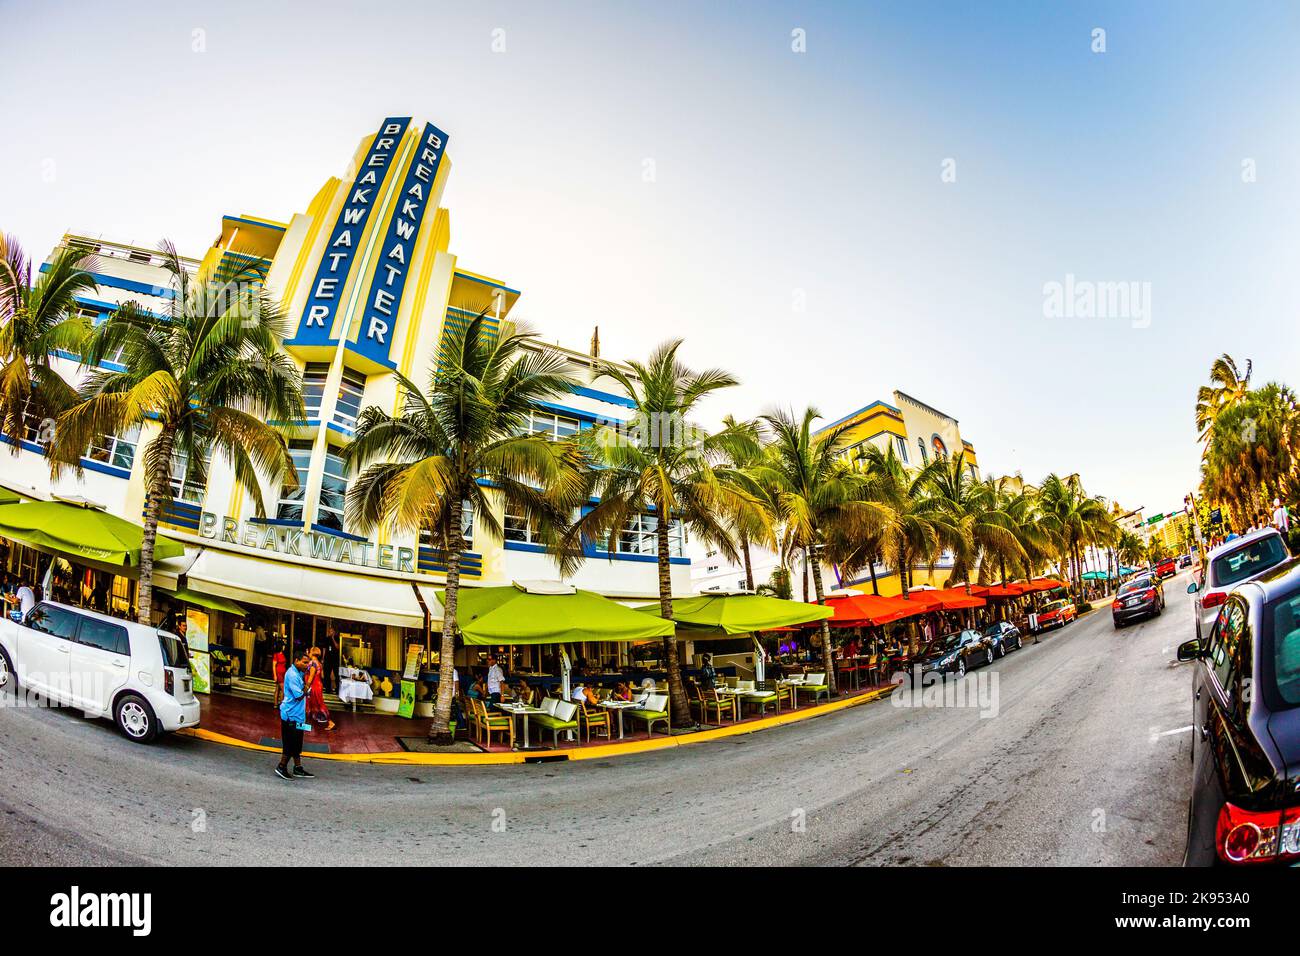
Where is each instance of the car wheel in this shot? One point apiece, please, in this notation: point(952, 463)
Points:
point(135, 718)
point(961, 667)
point(1002, 649)
point(989, 662)
point(7, 674)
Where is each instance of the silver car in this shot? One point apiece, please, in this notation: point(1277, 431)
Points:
point(1239, 560)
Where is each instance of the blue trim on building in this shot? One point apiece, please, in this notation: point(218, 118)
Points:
point(600, 396)
point(864, 408)
point(253, 222)
point(129, 285)
point(490, 285)
point(72, 357)
point(339, 534)
point(591, 552)
point(581, 414)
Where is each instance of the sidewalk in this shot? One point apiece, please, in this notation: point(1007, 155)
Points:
point(255, 725)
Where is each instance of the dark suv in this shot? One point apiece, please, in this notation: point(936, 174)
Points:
point(1137, 599)
point(1245, 804)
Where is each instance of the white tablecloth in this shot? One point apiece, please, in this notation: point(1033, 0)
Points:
point(350, 690)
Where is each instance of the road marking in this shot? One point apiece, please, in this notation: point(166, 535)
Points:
point(1168, 733)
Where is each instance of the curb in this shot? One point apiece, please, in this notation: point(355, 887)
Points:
point(402, 758)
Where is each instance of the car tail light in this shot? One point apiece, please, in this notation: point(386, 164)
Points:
point(1243, 836)
point(1116, 605)
point(1150, 593)
point(1214, 599)
point(169, 682)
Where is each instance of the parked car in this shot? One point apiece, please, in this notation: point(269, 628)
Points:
point(1184, 561)
point(1229, 565)
point(1136, 599)
point(1005, 637)
point(137, 676)
point(1056, 614)
point(1245, 794)
point(1166, 568)
point(958, 653)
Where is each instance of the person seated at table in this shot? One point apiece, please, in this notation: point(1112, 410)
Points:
point(478, 690)
point(523, 693)
point(708, 676)
point(622, 691)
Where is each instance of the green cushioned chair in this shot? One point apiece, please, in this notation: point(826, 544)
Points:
point(654, 711)
point(564, 718)
point(757, 698)
point(816, 685)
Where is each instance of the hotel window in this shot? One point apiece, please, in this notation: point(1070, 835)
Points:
point(313, 387)
point(901, 442)
point(640, 536)
point(189, 487)
point(466, 528)
point(351, 388)
point(290, 507)
point(333, 491)
point(925, 457)
point(116, 450)
point(518, 528)
point(554, 427)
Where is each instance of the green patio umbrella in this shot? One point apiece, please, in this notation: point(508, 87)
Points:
point(741, 613)
point(1095, 575)
point(8, 497)
point(78, 531)
point(525, 613)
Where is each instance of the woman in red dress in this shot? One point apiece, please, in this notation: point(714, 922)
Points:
point(317, 712)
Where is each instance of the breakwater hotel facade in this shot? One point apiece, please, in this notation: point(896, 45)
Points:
point(367, 277)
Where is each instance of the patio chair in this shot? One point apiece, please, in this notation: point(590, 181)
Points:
point(816, 685)
point(565, 717)
point(714, 703)
point(873, 668)
point(654, 711)
point(759, 698)
point(595, 718)
point(782, 693)
point(549, 704)
point(490, 723)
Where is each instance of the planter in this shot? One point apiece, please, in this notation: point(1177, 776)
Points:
point(387, 705)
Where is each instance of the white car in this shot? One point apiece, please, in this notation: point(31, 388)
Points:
point(1235, 562)
point(138, 676)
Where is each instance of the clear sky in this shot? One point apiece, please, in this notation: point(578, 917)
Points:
point(797, 227)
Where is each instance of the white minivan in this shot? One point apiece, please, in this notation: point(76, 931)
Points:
point(138, 676)
point(1240, 560)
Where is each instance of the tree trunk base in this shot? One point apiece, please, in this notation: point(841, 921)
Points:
point(440, 738)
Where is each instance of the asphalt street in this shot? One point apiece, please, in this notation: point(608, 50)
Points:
point(1072, 751)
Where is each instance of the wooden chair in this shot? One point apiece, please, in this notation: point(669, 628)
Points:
point(719, 704)
point(489, 723)
point(595, 718)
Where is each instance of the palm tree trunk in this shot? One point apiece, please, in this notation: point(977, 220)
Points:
point(160, 489)
point(871, 563)
point(828, 659)
point(805, 579)
point(749, 566)
point(440, 729)
point(676, 691)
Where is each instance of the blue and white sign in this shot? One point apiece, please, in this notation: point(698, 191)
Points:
point(331, 274)
point(374, 337)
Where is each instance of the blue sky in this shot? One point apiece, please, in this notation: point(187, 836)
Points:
point(797, 229)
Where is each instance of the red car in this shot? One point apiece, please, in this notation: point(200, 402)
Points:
point(1056, 614)
point(1166, 568)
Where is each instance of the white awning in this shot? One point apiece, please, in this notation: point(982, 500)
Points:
point(348, 594)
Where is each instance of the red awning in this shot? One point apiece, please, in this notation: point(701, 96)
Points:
point(863, 609)
point(1044, 584)
point(1006, 590)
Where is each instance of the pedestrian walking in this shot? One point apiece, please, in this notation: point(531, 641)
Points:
point(316, 708)
point(279, 665)
point(293, 721)
point(1281, 516)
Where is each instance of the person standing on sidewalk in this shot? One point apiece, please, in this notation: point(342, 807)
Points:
point(293, 718)
point(495, 679)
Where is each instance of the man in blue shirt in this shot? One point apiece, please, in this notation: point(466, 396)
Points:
point(293, 714)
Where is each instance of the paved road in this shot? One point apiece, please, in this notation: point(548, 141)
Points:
point(1085, 763)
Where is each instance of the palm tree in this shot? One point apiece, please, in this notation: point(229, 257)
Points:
point(434, 466)
point(1228, 385)
point(985, 531)
point(660, 475)
point(36, 320)
point(1074, 519)
point(1130, 549)
point(820, 496)
point(741, 450)
point(916, 528)
point(208, 377)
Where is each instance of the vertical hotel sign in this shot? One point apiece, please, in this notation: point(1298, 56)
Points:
point(398, 249)
point(336, 262)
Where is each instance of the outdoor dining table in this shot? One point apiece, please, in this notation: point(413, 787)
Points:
point(796, 683)
point(521, 710)
point(618, 706)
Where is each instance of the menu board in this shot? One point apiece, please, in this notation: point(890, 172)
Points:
point(196, 638)
point(406, 705)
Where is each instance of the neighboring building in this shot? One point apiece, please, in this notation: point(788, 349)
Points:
point(368, 280)
point(918, 433)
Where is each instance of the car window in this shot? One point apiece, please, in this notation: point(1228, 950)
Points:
point(1134, 586)
point(174, 653)
point(1224, 651)
point(1246, 562)
point(1286, 649)
point(104, 635)
point(49, 619)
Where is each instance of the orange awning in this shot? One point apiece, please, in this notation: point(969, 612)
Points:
point(863, 609)
point(1005, 590)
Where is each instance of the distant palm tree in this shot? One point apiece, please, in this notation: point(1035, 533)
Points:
point(819, 494)
point(917, 528)
point(207, 376)
point(660, 474)
point(435, 464)
point(741, 448)
point(986, 532)
point(36, 320)
point(1228, 385)
point(1075, 521)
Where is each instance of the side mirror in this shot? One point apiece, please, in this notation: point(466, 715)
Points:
point(1189, 650)
point(1192, 588)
